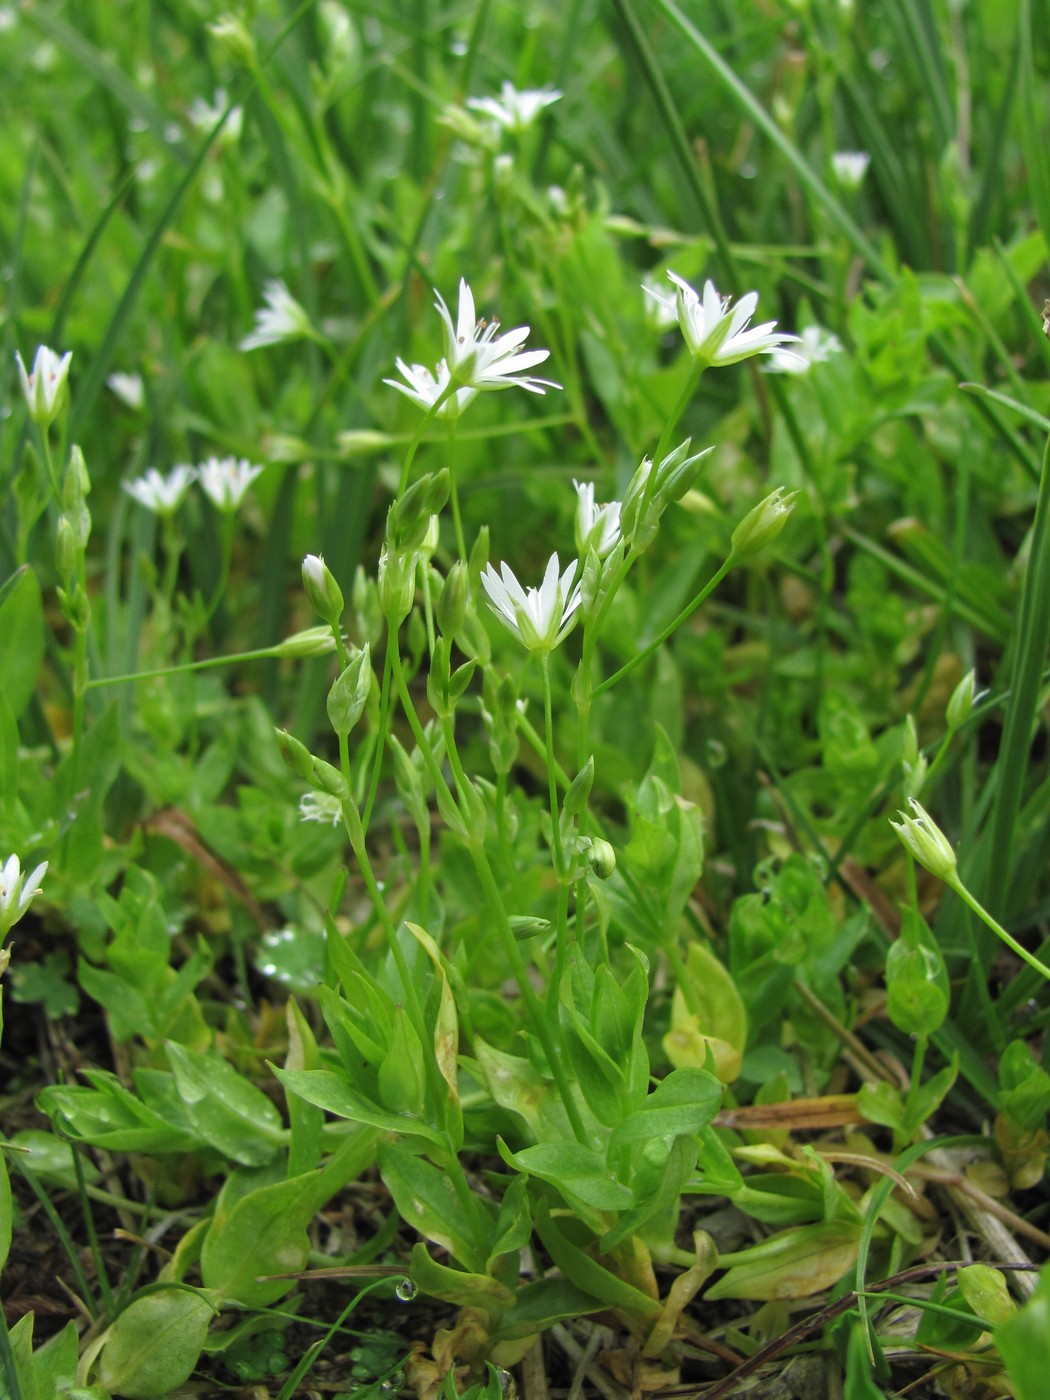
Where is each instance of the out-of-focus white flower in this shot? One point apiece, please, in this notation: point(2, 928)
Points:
point(476, 358)
point(927, 842)
point(539, 617)
point(597, 527)
point(203, 115)
point(514, 110)
point(282, 318)
point(224, 480)
point(849, 168)
point(128, 388)
point(661, 308)
point(815, 345)
point(161, 494)
point(716, 331)
point(42, 386)
point(320, 807)
point(17, 891)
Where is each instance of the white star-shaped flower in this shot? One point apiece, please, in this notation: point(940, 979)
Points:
point(849, 168)
point(514, 110)
point(42, 385)
point(225, 480)
point(717, 332)
point(597, 527)
point(477, 358)
point(161, 494)
point(17, 891)
point(815, 345)
point(541, 617)
point(281, 319)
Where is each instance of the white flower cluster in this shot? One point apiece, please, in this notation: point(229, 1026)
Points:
point(224, 480)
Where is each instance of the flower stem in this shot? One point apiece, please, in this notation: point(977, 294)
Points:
point(552, 783)
point(671, 627)
point(967, 898)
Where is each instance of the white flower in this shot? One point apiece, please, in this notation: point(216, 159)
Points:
point(815, 345)
point(225, 480)
point(716, 331)
point(161, 494)
point(476, 358)
point(43, 386)
point(17, 891)
point(203, 115)
point(849, 168)
point(514, 110)
point(597, 527)
point(320, 807)
point(541, 617)
point(128, 388)
point(282, 318)
point(661, 308)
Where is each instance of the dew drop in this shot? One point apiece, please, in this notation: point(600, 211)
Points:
point(406, 1290)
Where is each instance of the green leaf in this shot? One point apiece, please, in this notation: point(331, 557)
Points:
point(154, 1344)
point(514, 1223)
point(454, 1286)
point(109, 1116)
point(588, 1274)
point(1024, 1342)
point(540, 1305)
point(427, 1200)
point(23, 629)
point(795, 1263)
point(683, 1103)
point(579, 1173)
point(331, 1092)
point(225, 1108)
point(260, 1232)
point(402, 1082)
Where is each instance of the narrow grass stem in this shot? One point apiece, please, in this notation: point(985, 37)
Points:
point(552, 782)
point(684, 615)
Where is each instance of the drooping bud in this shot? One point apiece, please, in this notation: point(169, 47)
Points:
point(761, 526)
point(923, 838)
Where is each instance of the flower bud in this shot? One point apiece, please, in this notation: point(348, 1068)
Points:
point(963, 699)
point(761, 526)
point(397, 589)
point(234, 37)
point(408, 519)
point(297, 756)
point(575, 800)
point(311, 641)
point(67, 555)
point(44, 386)
point(324, 593)
point(455, 599)
point(349, 693)
point(926, 842)
point(603, 858)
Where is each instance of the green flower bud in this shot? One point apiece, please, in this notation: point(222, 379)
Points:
point(455, 599)
point(479, 557)
point(761, 526)
point(349, 693)
point(311, 641)
point(575, 800)
point(408, 519)
point(324, 593)
point(603, 858)
point(234, 37)
point(924, 839)
point(297, 756)
point(963, 699)
point(67, 555)
point(397, 588)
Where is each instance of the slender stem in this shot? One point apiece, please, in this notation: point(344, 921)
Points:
point(461, 547)
point(552, 782)
point(967, 898)
point(671, 627)
point(918, 1059)
point(417, 436)
point(209, 663)
point(384, 725)
point(696, 369)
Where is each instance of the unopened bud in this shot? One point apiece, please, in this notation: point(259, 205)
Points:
point(311, 641)
point(396, 585)
point(761, 526)
point(297, 756)
point(324, 593)
point(454, 600)
point(923, 838)
point(349, 693)
point(963, 699)
point(233, 36)
point(67, 555)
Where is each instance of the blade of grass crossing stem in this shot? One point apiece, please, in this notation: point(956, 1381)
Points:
point(1033, 635)
point(92, 382)
point(879, 1196)
point(753, 109)
point(311, 1354)
point(1033, 318)
point(1037, 160)
point(921, 41)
